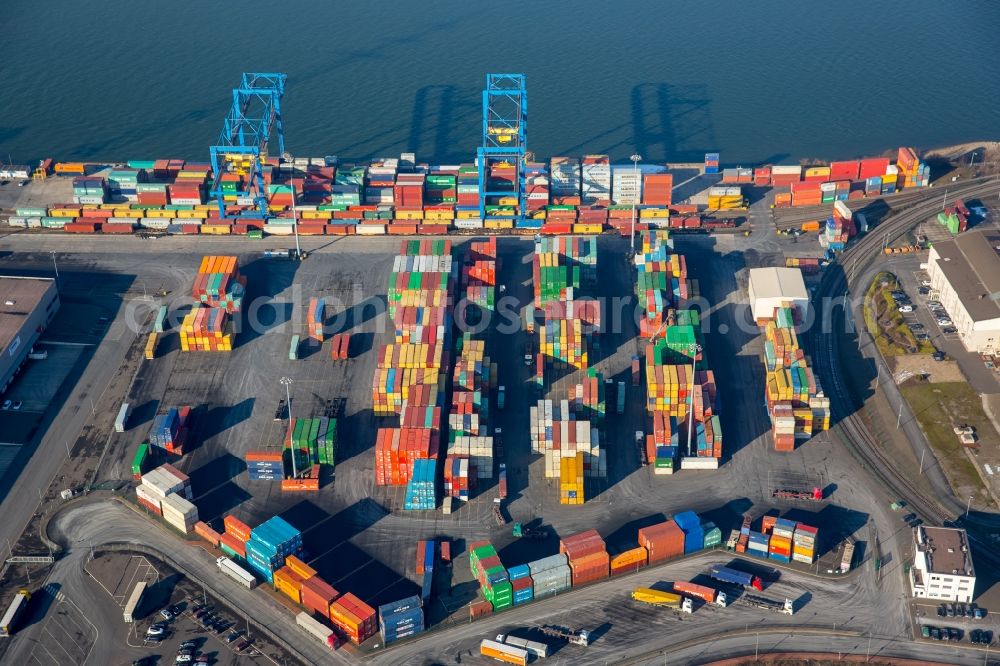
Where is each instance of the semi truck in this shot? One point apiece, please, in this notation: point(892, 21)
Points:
point(122, 417)
point(814, 495)
point(236, 572)
point(663, 599)
point(508, 654)
point(14, 612)
point(533, 648)
point(579, 637)
point(707, 594)
point(317, 630)
point(735, 577)
point(772, 605)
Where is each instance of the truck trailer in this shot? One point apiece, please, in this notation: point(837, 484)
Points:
point(236, 572)
point(707, 594)
point(663, 599)
point(735, 577)
point(534, 648)
point(508, 654)
point(14, 612)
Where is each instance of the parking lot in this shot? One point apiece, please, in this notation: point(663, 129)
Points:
point(67, 636)
point(954, 622)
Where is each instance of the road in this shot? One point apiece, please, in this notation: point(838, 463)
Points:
point(91, 524)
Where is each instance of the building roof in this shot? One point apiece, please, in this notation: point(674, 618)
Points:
point(971, 264)
point(946, 550)
point(780, 282)
point(18, 299)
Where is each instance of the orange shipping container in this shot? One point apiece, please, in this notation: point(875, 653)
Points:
point(299, 567)
point(629, 560)
point(288, 583)
point(237, 528)
point(202, 529)
point(233, 543)
point(354, 617)
point(662, 541)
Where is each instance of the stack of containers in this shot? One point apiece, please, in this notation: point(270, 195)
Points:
point(626, 185)
point(233, 541)
point(169, 431)
point(264, 465)
point(315, 318)
point(571, 489)
point(492, 577)
point(556, 435)
point(780, 546)
point(537, 186)
point(713, 535)
point(663, 541)
point(457, 477)
point(313, 441)
point(317, 595)
point(587, 398)
point(726, 198)
point(396, 450)
point(122, 183)
point(269, 544)
point(550, 575)
point(565, 176)
point(711, 162)
point(521, 584)
point(158, 484)
point(421, 492)
point(596, 180)
point(661, 282)
point(762, 176)
point(694, 536)
point(806, 193)
point(89, 190)
point(289, 582)
point(758, 544)
point(795, 399)
point(804, 543)
point(425, 566)
point(912, 172)
point(785, 175)
point(179, 512)
point(657, 189)
point(587, 556)
point(355, 619)
point(478, 450)
point(219, 284)
point(400, 619)
point(206, 329)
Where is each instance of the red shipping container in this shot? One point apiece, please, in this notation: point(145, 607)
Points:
point(317, 595)
point(706, 594)
point(521, 583)
point(844, 170)
point(874, 166)
point(421, 552)
point(480, 608)
point(149, 505)
point(119, 229)
point(233, 543)
point(582, 544)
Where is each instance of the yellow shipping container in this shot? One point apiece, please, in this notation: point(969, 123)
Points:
point(410, 214)
point(817, 172)
point(507, 201)
point(655, 212)
point(587, 228)
point(216, 229)
point(498, 224)
point(65, 212)
point(161, 213)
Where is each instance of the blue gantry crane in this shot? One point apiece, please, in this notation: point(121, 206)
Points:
point(242, 148)
point(505, 138)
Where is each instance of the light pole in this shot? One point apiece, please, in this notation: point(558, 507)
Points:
point(288, 401)
point(635, 173)
point(55, 265)
point(968, 505)
point(295, 219)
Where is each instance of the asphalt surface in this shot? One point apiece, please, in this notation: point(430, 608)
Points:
point(355, 532)
point(93, 524)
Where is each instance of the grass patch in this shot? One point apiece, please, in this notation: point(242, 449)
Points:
point(939, 408)
point(885, 322)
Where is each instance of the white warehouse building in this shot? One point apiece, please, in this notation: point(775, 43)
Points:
point(965, 271)
point(772, 288)
point(942, 565)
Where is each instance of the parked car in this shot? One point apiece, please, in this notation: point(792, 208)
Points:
point(975, 635)
point(925, 631)
point(183, 659)
point(906, 308)
point(938, 356)
point(935, 304)
point(949, 610)
point(986, 637)
point(916, 327)
point(922, 336)
point(232, 637)
point(941, 611)
point(954, 634)
point(978, 613)
point(944, 321)
point(155, 630)
point(935, 633)
point(948, 330)
point(923, 291)
point(166, 614)
point(188, 645)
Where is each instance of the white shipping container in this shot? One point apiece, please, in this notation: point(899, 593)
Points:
point(143, 492)
point(180, 507)
point(177, 523)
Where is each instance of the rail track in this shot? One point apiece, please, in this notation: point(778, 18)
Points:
point(854, 261)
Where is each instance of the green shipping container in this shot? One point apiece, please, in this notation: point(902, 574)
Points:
point(141, 459)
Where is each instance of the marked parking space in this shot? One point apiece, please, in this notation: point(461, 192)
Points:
point(67, 635)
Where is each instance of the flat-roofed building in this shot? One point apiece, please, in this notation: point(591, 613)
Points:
point(942, 565)
point(27, 306)
point(773, 288)
point(965, 271)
